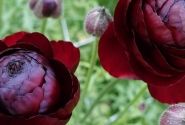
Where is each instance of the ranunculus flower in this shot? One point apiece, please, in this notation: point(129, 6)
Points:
point(147, 41)
point(46, 8)
point(37, 84)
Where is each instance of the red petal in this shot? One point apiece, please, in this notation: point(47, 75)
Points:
point(156, 28)
point(148, 73)
point(142, 67)
point(169, 94)
point(39, 41)
point(12, 39)
point(176, 61)
point(70, 93)
point(2, 46)
point(113, 56)
point(174, 51)
point(139, 25)
point(147, 47)
point(67, 109)
point(66, 53)
point(27, 46)
point(121, 26)
point(151, 54)
point(65, 80)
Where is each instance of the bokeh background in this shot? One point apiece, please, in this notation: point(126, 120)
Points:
point(105, 100)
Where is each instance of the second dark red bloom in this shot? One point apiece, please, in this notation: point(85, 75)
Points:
point(146, 41)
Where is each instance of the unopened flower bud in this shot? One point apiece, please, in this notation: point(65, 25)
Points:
point(46, 8)
point(174, 115)
point(97, 20)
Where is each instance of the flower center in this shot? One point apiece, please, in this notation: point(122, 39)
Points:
point(14, 67)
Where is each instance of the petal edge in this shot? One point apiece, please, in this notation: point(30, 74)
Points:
point(112, 55)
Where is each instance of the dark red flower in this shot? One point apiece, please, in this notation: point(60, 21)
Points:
point(37, 84)
point(147, 41)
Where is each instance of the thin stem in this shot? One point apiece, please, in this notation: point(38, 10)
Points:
point(85, 42)
point(1, 12)
point(91, 66)
point(64, 29)
point(122, 113)
point(90, 70)
point(43, 25)
point(60, 26)
point(102, 93)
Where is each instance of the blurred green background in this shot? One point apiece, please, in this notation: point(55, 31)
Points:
point(105, 100)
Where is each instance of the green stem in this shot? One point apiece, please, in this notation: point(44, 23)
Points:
point(60, 26)
point(64, 29)
point(122, 113)
point(1, 12)
point(102, 93)
point(43, 26)
point(85, 42)
point(91, 67)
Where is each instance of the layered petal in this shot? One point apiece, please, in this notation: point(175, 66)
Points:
point(148, 73)
point(145, 57)
point(59, 117)
point(174, 51)
point(138, 26)
point(3, 46)
point(152, 35)
point(66, 53)
point(65, 81)
point(142, 48)
point(176, 61)
point(14, 38)
point(26, 75)
point(65, 111)
point(122, 31)
point(52, 90)
point(112, 55)
point(158, 32)
point(39, 41)
point(169, 94)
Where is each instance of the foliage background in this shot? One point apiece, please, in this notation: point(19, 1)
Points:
point(120, 104)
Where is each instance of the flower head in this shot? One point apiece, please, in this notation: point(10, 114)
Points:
point(37, 84)
point(26, 75)
point(147, 41)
